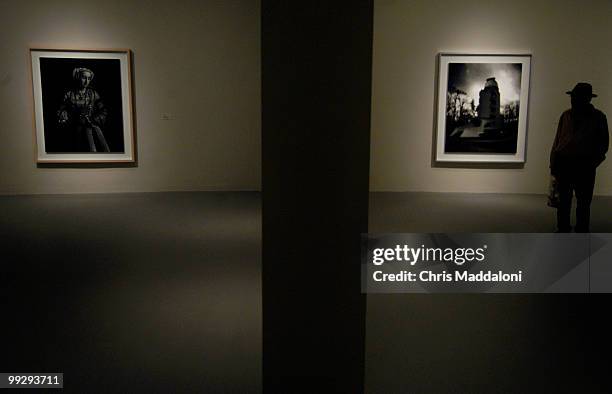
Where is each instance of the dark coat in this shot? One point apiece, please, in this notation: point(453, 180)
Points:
point(581, 142)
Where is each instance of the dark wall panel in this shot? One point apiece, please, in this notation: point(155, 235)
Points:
point(316, 65)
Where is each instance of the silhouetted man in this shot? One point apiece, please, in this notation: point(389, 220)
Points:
point(580, 146)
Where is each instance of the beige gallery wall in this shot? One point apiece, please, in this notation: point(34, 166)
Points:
point(198, 61)
point(569, 41)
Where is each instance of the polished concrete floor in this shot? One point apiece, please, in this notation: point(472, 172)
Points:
point(155, 293)
point(482, 343)
point(467, 213)
point(161, 292)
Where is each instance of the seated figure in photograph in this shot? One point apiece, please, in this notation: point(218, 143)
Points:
point(580, 146)
point(83, 113)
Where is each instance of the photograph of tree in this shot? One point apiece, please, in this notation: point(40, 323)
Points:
point(483, 104)
point(482, 108)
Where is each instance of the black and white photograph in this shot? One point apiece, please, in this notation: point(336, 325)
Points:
point(82, 105)
point(482, 108)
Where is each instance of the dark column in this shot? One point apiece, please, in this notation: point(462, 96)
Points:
point(316, 88)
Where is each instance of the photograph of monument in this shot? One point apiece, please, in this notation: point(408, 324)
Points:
point(482, 109)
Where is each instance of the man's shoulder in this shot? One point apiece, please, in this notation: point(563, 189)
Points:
point(599, 113)
point(566, 114)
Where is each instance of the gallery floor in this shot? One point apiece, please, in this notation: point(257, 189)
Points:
point(156, 292)
point(162, 291)
point(473, 213)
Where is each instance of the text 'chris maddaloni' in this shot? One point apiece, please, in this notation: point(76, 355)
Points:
point(404, 254)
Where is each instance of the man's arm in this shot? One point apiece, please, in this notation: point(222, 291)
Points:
point(602, 140)
point(605, 136)
point(555, 146)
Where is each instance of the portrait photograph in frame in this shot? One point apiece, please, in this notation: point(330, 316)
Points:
point(482, 108)
point(83, 105)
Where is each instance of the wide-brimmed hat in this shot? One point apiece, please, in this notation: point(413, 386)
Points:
point(582, 89)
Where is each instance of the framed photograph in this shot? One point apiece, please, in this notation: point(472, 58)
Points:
point(482, 108)
point(83, 105)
